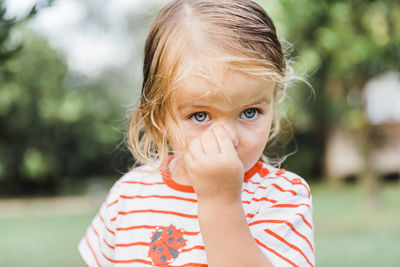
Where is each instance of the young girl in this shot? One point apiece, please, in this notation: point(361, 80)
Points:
point(213, 70)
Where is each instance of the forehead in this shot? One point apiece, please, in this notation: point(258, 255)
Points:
point(224, 88)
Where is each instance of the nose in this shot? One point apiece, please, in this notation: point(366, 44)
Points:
point(233, 134)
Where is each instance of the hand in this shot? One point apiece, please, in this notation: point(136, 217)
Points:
point(214, 168)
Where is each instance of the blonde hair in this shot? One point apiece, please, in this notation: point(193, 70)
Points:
point(194, 35)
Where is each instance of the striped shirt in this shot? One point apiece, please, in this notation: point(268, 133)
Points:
point(148, 219)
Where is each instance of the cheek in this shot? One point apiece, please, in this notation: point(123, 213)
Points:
point(183, 135)
point(252, 145)
point(255, 142)
point(191, 132)
point(258, 135)
point(174, 135)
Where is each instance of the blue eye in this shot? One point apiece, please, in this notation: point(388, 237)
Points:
point(249, 114)
point(200, 117)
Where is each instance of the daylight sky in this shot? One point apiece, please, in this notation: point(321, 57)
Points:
point(88, 50)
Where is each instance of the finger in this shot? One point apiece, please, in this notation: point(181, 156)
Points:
point(224, 141)
point(209, 143)
point(195, 148)
point(188, 159)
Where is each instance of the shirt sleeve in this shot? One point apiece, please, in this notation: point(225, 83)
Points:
point(97, 245)
point(282, 223)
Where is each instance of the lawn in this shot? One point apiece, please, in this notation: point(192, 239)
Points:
point(349, 234)
point(346, 233)
point(41, 241)
point(43, 232)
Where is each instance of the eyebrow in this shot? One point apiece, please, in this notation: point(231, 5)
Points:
point(199, 106)
point(260, 101)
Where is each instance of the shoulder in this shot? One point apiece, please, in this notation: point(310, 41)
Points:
point(140, 174)
point(280, 183)
point(280, 216)
point(135, 178)
point(145, 173)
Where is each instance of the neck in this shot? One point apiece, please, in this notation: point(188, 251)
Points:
point(177, 171)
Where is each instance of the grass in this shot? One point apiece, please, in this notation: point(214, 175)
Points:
point(44, 232)
point(41, 241)
point(346, 234)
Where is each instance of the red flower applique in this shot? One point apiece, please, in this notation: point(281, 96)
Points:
point(166, 244)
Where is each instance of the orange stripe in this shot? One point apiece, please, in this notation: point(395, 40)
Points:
point(290, 205)
point(284, 177)
point(290, 181)
point(245, 190)
point(101, 218)
point(250, 181)
point(305, 221)
point(150, 263)
point(127, 261)
point(147, 244)
point(159, 211)
point(136, 227)
point(108, 229)
point(276, 253)
point(288, 224)
point(274, 185)
point(108, 244)
point(164, 197)
point(288, 244)
point(308, 190)
point(264, 198)
point(133, 244)
point(283, 190)
point(195, 247)
point(94, 230)
point(112, 203)
point(246, 202)
point(151, 227)
point(274, 177)
point(266, 221)
point(135, 182)
point(191, 265)
point(91, 249)
point(191, 233)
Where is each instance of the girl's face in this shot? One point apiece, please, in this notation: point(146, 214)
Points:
point(243, 105)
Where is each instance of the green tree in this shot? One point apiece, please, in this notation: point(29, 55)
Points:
point(338, 46)
point(52, 129)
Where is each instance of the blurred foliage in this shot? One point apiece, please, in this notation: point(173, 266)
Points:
point(8, 47)
point(57, 127)
point(337, 46)
point(53, 126)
